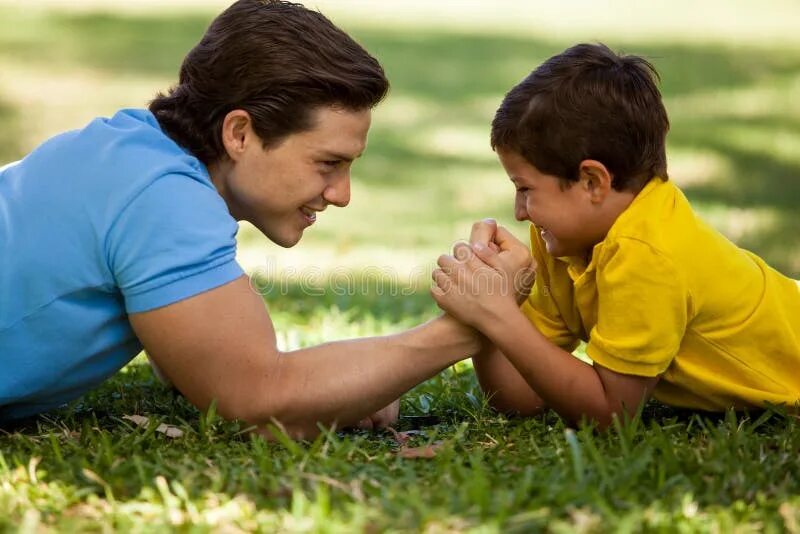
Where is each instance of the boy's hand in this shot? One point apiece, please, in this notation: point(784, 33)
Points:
point(514, 258)
point(474, 292)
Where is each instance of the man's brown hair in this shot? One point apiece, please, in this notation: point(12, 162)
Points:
point(276, 60)
point(588, 103)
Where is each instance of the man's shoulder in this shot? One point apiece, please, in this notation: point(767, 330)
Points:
point(133, 137)
point(130, 142)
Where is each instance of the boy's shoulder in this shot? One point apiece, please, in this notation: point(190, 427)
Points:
point(661, 220)
point(660, 233)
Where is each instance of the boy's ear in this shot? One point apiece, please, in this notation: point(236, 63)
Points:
point(595, 178)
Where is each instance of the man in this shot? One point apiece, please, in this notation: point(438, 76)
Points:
point(122, 235)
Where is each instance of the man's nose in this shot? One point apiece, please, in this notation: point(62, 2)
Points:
point(338, 193)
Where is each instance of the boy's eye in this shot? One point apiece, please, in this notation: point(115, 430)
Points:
point(522, 190)
point(331, 162)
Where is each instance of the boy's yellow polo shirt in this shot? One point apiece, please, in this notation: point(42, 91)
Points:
point(666, 294)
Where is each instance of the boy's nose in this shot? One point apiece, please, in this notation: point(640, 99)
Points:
point(520, 210)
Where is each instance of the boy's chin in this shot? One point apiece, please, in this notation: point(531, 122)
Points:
point(558, 250)
point(553, 246)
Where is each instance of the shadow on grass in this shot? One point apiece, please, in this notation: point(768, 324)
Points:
point(455, 77)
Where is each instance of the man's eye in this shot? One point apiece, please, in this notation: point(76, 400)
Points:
point(331, 162)
point(522, 190)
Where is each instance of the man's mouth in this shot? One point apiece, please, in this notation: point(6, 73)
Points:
point(309, 214)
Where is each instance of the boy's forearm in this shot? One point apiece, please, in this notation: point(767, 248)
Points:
point(507, 391)
point(569, 386)
point(343, 382)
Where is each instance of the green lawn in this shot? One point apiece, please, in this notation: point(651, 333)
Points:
point(88, 469)
point(734, 147)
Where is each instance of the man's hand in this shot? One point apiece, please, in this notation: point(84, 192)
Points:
point(382, 418)
point(513, 257)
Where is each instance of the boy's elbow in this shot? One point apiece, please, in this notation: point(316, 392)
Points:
point(511, 408)
point(604, 417)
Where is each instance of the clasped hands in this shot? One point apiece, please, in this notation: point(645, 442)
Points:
point(485, 279)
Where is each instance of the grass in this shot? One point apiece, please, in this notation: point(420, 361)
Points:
point(663, 470)
point(88, 469)
point(428, 173)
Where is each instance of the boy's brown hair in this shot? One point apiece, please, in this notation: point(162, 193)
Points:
point(276, 60)
point(588, 103)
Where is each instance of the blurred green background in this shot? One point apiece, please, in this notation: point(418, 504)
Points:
point(731, 80)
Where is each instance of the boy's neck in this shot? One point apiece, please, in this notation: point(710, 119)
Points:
point(614, 205)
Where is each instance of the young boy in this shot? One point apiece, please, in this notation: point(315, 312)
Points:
point(668, 306)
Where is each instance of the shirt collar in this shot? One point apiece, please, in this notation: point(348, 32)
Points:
point(577, 266)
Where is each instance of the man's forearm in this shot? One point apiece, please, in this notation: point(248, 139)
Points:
point(342, 382)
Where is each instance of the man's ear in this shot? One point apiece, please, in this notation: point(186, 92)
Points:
point(237, 130)
point(596, 179)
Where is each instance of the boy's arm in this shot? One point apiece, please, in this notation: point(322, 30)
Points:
point(220, 345)
point(568, 385)
point(505, 388)
point(573, 388)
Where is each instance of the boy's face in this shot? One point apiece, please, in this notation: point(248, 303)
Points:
point(565, 218)
point(281, 189)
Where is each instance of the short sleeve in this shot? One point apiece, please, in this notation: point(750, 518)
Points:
point(541, 311)
point(551, 291)
point(175, 239)
point(643, 309)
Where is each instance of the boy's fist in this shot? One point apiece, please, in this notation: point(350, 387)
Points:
point(497, 247)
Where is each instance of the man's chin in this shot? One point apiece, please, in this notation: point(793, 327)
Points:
point(284, 239)
point(289, 242)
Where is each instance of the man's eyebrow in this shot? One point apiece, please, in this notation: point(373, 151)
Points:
point(327, 154)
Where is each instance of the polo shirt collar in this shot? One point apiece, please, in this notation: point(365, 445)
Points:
point(577, 266)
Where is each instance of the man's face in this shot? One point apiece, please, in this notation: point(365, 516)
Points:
point(562, 216)
point(281, 189)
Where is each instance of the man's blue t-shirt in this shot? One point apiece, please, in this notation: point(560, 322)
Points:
point(95, 224)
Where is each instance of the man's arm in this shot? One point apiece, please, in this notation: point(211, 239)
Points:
point(220, 345)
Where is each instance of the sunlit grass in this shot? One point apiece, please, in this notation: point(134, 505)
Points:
point(88, 468)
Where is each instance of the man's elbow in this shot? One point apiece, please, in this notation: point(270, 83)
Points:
point(270, 414)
